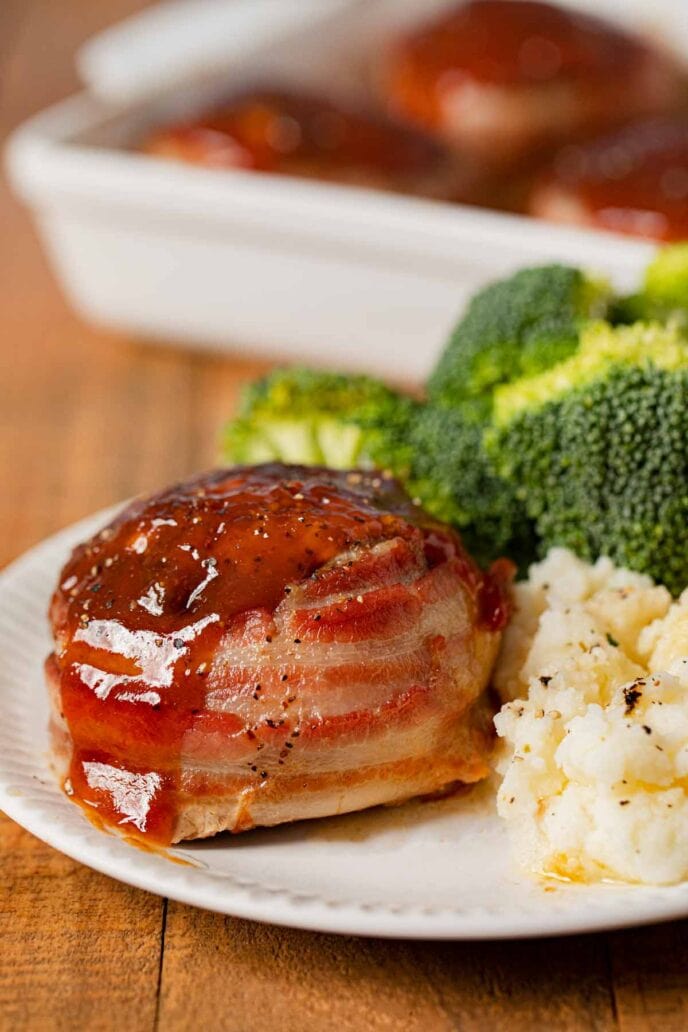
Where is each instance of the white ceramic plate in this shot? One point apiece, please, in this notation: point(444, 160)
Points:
point(425, 870)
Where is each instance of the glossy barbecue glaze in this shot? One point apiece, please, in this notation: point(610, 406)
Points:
point(502, 77)
point(304, 135)
point(633, 182)
point(518, 41)
point(244, 627)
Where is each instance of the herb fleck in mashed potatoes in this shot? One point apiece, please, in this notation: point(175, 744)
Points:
point(595, 750)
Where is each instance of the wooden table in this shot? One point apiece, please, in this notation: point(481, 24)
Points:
point(87, 419)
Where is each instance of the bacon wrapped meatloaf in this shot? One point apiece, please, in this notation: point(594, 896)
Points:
point(265, 644)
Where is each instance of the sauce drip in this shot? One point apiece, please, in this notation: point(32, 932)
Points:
point(141, 609)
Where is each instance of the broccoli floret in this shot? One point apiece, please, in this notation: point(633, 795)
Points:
point(664, 294)
point(601, 347)
point(596, 449)
point(666, 277)
point(515, 327)
point(453, 477)
point(320, 418)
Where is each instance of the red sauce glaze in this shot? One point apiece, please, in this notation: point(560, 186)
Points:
point(517, 42)
point(141, 608)
point(633, 182)
point(297, 134)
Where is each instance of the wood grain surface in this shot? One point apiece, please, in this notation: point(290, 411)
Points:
point(86, 419)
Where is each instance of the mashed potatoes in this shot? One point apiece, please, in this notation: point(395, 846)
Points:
point(595, 738)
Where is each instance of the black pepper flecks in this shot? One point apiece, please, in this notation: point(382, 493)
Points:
point(632, 694)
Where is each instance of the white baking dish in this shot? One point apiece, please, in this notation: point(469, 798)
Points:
point(277, 267)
